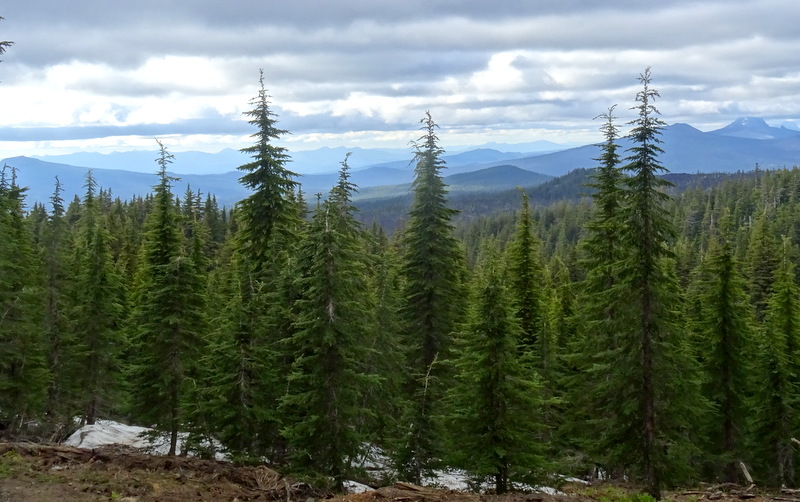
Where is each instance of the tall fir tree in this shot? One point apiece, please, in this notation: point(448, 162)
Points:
point(775, 401)
point(762, 258)
point(590, 355)
point(248, 378)
point(96, 311)
point(649, 401)
point(271, 208)
point(496, 399)
point(526, 273)
point(725, 343)
point(166, 322)
point(59, 346)
point(335, 322)
point(23, 372)
point(433, 272)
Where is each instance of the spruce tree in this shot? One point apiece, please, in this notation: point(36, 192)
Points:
point(775, 401)
point(96, 312)
point(650, 398)
point(270, 208)
point(526, 272)
point(496, 398)
point(385, 280)
point(590, 355)
point(762, 257)
point(167, 318)
point(327, 416)
point(23, 373)
point(60, 350)
point(250, 373)
point(432, 268)
point(726, 348)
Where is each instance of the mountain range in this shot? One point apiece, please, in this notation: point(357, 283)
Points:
point(739, 146)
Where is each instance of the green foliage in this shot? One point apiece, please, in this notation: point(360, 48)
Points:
point(646, 395)
point(167, 322)
point(725, 343)
point(249, 373)
point(432, 269)
point(775, 400)
point(496, 384)
point(526, 274)
point(97, 312)
point(23, 374)
point(326, 415)
point(270, 208)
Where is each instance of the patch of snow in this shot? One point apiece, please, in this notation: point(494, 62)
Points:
point(375, 461)
point(452, 479)
point(356, 487)
point(108, 432)
point(575, 480)
point(549, 490)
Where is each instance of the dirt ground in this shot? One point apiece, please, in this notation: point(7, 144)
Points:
point(39, 473)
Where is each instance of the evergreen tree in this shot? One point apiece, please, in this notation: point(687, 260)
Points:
point(496, 397)
point(526, 272)
point(385, 281)
point(56, 330)
point(270, 208)
point(23, 374)
point(725, 342)
point(249, 376)
point(775, 402)
point(649, 400)
point(762, 257)
point(166, 324)
point(333, 329)
point(432, 267)
point(96, 311)
point(590, 355)
point(4, 45)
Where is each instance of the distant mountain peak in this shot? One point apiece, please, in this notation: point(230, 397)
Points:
point(754, 128)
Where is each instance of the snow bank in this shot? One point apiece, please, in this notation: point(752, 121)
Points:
point(108, 432)
point(356, 487)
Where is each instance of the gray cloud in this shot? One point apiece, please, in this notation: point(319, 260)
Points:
point(361, 65)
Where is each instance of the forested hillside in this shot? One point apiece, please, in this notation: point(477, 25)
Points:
point(607, 321)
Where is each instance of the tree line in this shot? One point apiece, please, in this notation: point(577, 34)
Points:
point(648, 337)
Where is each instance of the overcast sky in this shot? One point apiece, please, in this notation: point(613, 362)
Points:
point(100, 75)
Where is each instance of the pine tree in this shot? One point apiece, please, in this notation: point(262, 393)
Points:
point(166, 324)
point(649, 401)
point(497, 395)
point(762, 257)
point(432, 267)
point(725, 342)
point(385, 280)
point(96, 312)
point(271, 207)
point(249, 375)
point(333, 329)
point(56, 330)
point(526, 272)
point(590, 355)
point(23, 374)
point(4, 45)
point(775, 401)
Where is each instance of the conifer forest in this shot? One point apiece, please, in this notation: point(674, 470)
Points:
point(634, 331)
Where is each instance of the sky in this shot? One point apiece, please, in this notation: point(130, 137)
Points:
point(102, 76)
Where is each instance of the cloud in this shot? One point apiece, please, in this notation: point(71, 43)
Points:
point(357, 67)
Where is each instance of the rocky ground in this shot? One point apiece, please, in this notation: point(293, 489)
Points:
point(39, 473)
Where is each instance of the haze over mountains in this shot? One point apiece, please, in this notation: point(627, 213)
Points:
point(740, 146)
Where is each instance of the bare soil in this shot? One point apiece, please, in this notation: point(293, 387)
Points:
point(45, 473)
